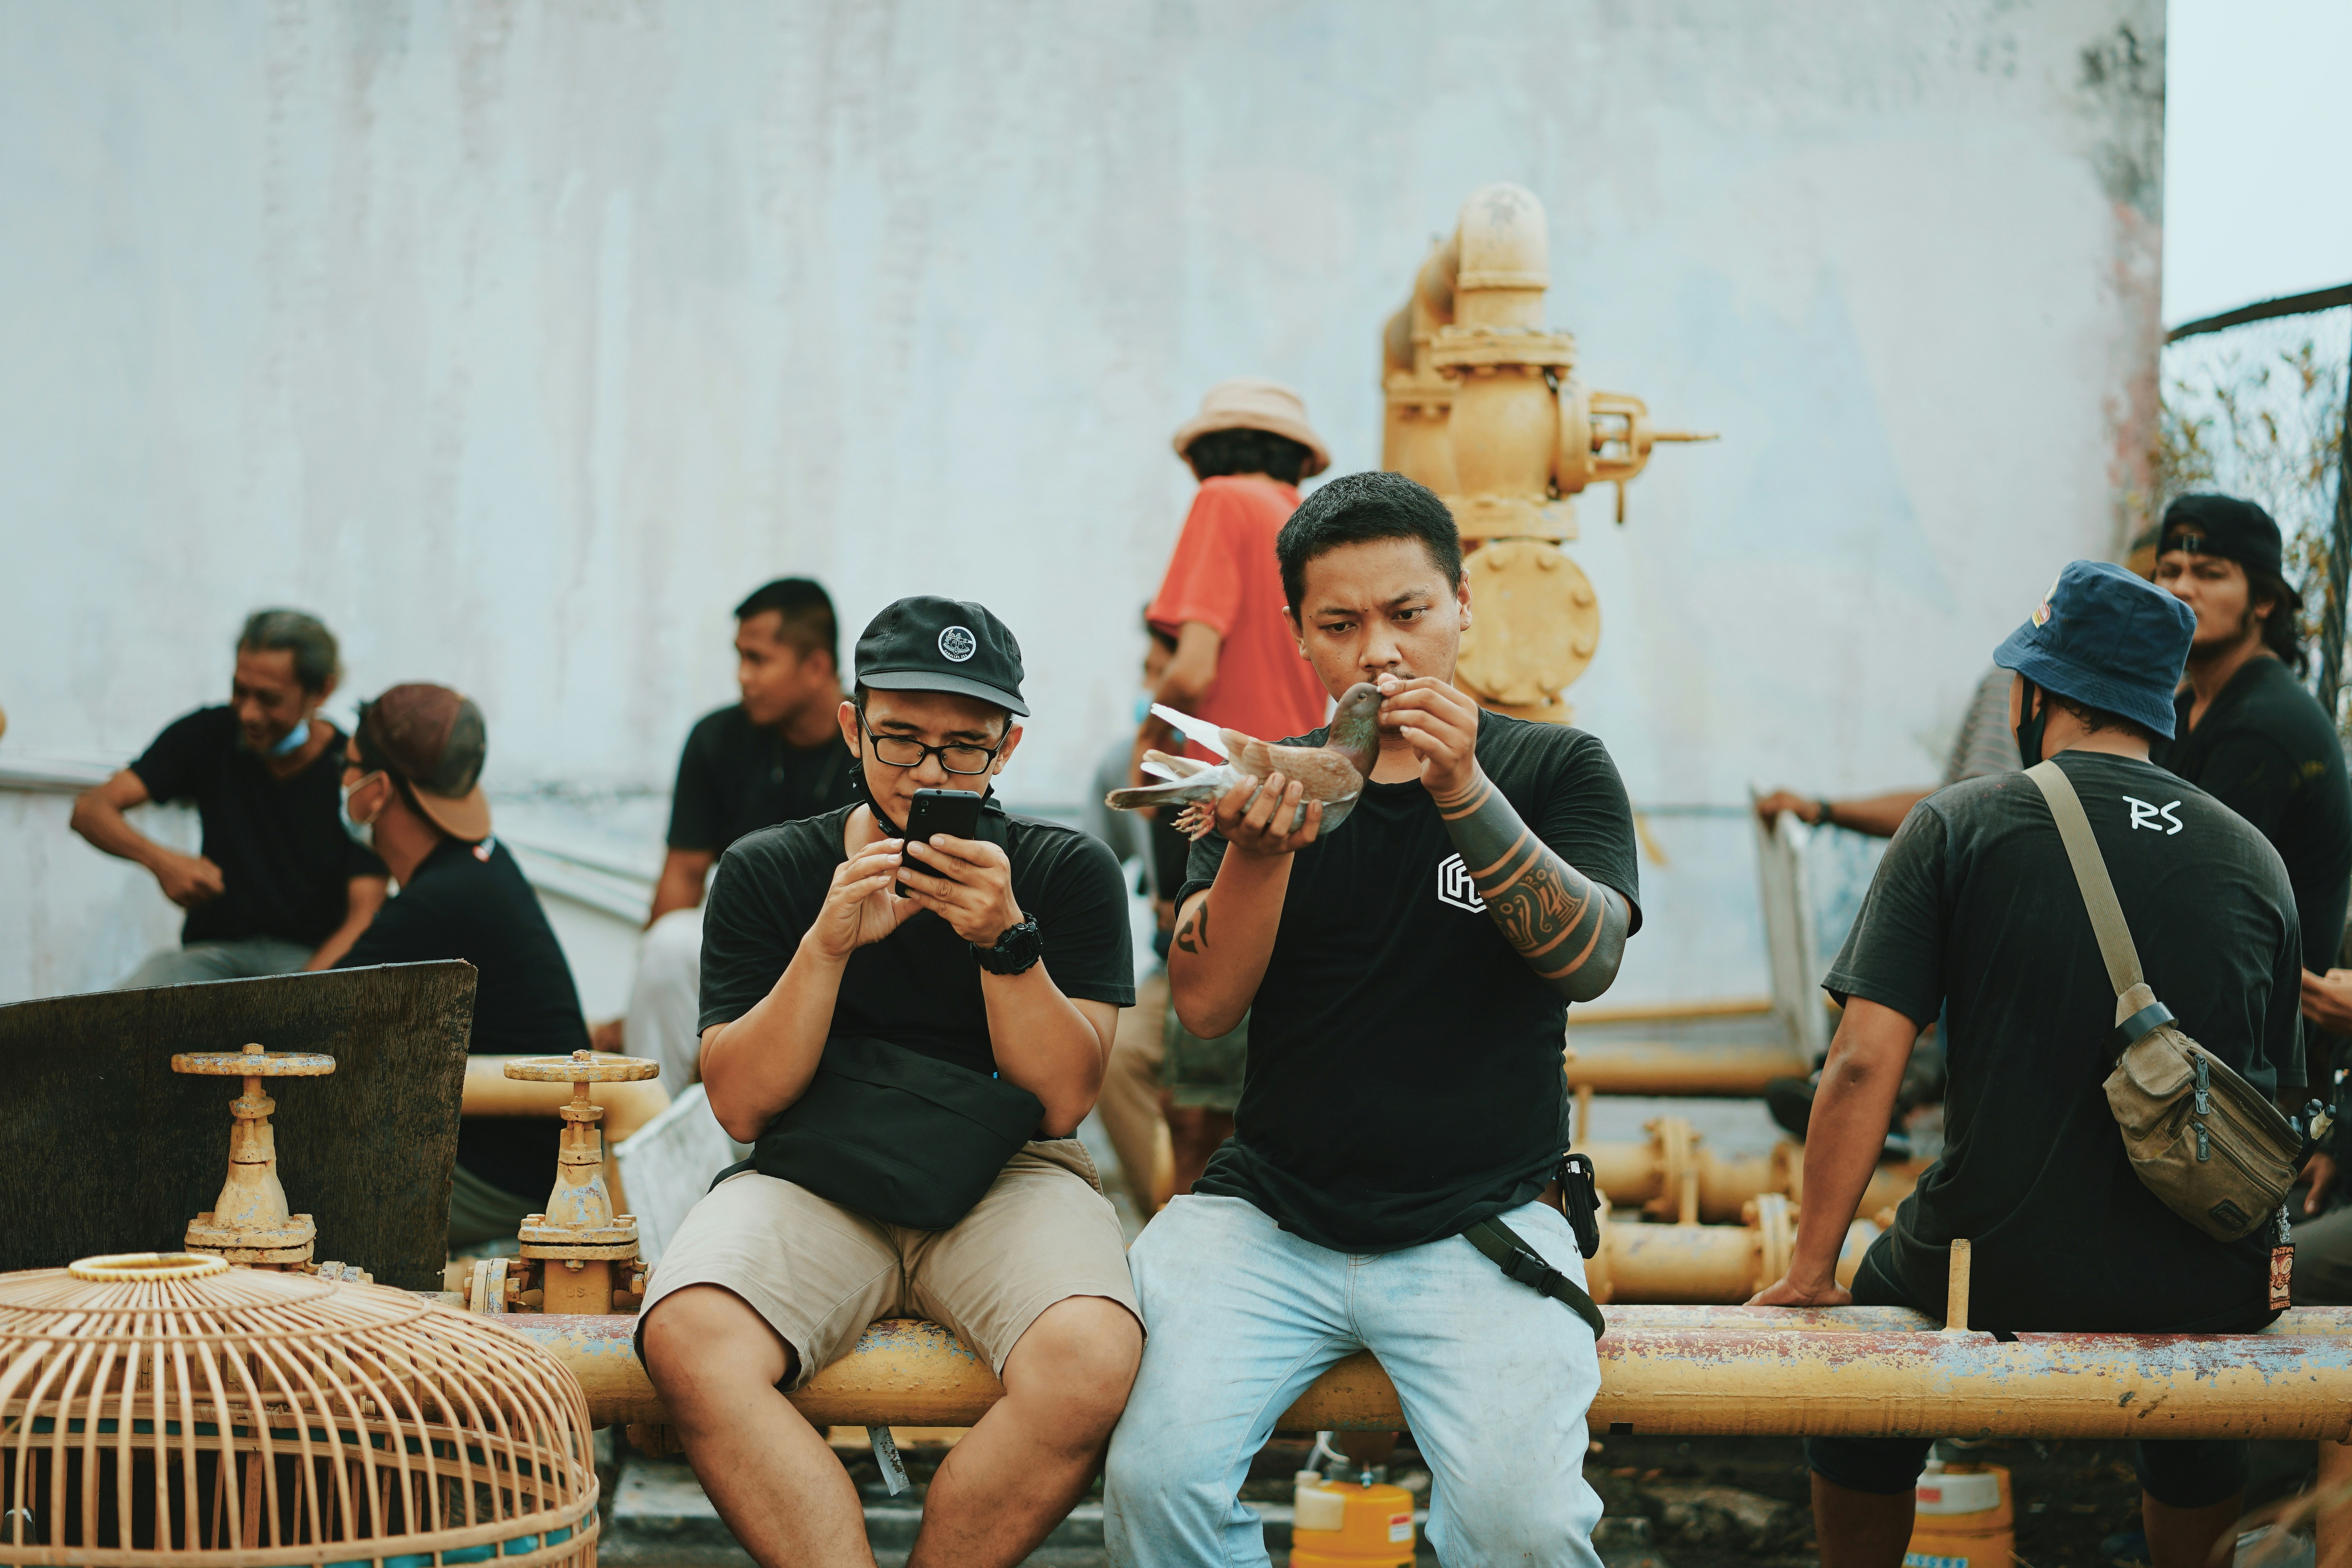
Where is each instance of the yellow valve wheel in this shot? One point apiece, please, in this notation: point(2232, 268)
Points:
point(583, 1067)
point(254, 1062)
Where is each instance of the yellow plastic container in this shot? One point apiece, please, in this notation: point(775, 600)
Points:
point(1963, 1519)
point(1338, 1524)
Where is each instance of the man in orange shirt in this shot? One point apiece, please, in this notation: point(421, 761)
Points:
point(1236, 663)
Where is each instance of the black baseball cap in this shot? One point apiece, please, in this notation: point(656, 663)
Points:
point(2225, 526)
point(928, 644)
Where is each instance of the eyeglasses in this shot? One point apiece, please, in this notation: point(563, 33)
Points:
point(906, 751)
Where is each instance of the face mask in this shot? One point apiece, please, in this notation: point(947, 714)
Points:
point(1143, 707)
point(294, 740)
point(362, 833)
point(2030, 725)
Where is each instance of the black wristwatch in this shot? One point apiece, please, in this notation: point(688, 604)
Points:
point(1015, 952)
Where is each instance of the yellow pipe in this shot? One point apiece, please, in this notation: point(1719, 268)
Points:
point(1704, 1379)
point(1672, 1012)
point(1658, 1067)
point(1655, 1175)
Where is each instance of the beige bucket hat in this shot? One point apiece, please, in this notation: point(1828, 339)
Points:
point(1253, 403)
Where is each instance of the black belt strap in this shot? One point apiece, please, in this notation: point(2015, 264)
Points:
point(1524, 1264)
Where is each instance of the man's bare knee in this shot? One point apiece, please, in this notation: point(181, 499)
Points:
point(705, 1340)
point(1079, 1357)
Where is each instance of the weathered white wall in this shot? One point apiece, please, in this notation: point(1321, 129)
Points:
point(519, 339)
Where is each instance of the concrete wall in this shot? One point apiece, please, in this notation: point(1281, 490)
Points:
point(519, 339)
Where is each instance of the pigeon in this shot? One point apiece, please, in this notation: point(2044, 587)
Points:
point(1333, 773)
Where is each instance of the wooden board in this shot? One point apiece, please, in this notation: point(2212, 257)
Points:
point(104, 1149)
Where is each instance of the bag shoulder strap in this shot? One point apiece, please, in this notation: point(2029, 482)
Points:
point(2090, 875)
point(1525, 1265)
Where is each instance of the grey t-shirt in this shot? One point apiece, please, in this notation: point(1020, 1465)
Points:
point(1986, 744)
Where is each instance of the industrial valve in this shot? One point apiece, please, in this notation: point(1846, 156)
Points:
point(1484, 409)
point(249, 1223)
point(579, 1256)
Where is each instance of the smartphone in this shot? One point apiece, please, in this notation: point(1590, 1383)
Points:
point(954, 812)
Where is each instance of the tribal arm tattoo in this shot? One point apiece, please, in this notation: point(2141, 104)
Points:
point(1193, 935)
point(1569, 928)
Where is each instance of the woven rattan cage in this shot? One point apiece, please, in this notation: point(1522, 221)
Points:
point(170, 1409)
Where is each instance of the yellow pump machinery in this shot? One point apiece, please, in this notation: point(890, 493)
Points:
point(1484, 409)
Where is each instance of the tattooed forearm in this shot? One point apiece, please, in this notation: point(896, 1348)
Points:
point(1570, 929)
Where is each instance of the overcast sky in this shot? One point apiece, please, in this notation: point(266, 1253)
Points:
point(2258, 124)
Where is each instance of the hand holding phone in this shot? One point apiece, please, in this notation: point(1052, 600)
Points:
point(953, 812)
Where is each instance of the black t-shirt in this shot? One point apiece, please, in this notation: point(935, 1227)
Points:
point(735, 777)
point(285, 862)
point(471, 902)
point(1403, 1079)
point(1975, 907)
point(2266, 750)
point(919, 987)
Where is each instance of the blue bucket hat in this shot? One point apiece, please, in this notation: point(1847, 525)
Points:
point(2106, 640)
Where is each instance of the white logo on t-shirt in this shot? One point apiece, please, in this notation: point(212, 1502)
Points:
point(2144, 814)
point(1454, 885)
point(957, 644)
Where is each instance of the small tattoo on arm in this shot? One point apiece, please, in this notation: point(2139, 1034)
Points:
point(1193, 934)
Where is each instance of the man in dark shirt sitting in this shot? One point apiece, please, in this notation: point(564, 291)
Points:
point(278, 886)
point(1411, 974)
point(775, 756)
point(1006, 966)
point(412, 780)
point(1976, 908)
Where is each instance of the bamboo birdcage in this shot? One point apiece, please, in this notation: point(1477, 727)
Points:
point(168, 1409)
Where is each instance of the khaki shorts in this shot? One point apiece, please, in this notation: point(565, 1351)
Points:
point(818, 1273)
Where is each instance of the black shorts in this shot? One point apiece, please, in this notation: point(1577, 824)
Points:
point(2192, 1472)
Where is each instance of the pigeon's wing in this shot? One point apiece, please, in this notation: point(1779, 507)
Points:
point(1200, 731)
point(1206, 785)
point(1326, 776)
point(1168, 767)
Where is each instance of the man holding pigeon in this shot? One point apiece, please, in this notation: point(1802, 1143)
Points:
point(1403, 1109)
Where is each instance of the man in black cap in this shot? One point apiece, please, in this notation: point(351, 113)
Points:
point(1001, 971)
point(412, 783)
point(2247, 731)
point(1976, 907)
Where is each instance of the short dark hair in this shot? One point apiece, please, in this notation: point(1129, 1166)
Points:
point(317, 660)
point(1356, 509)
point(1247, 452)
point(2098, 718)
point(804, 611)
point(2283, 627)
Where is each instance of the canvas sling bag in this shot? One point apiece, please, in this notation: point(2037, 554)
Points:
point(2204, 1140)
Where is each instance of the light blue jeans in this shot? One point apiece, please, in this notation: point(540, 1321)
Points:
point(1242, 1315)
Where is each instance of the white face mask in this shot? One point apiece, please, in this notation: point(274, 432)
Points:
point(362, 833)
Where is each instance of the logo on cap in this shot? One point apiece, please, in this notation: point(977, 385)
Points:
point(2041, 612)
point(957, 644)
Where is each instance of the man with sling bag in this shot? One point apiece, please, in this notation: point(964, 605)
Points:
point(1978, 905)
point(913, 1070)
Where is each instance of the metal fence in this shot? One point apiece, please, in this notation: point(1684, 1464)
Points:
point(2253, 405)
